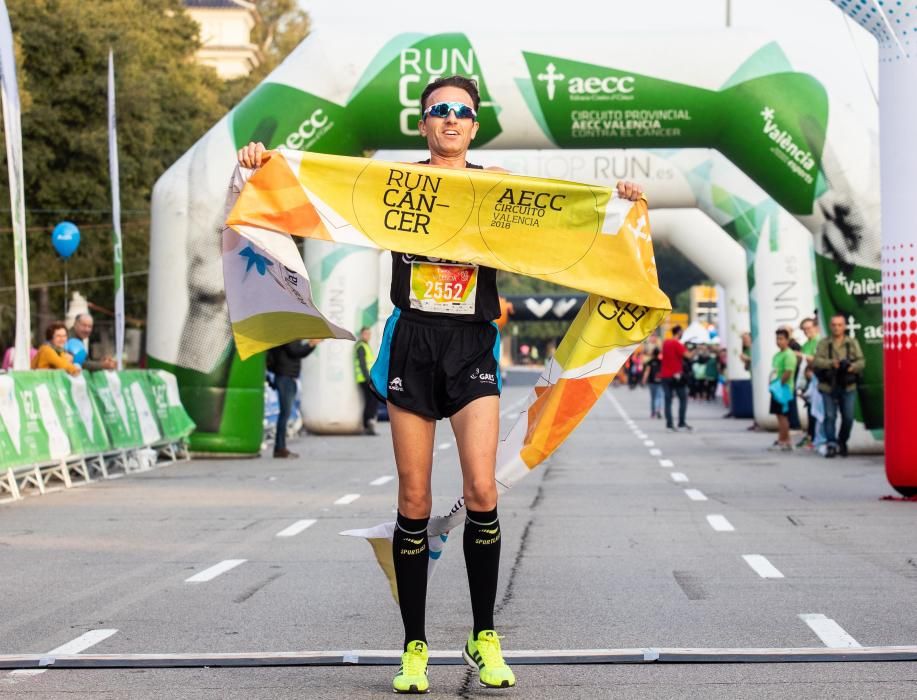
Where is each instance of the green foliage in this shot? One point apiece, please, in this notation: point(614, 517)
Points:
point(281, 27)
point(165, 102)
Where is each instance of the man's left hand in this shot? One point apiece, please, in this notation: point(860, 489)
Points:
point(629, 190)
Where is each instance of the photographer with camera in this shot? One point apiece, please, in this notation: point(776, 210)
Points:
point(839, 364)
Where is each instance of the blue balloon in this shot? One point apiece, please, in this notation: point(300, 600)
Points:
point(65, 238)
point(76, 348)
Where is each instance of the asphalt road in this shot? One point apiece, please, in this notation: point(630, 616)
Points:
point(603, 548)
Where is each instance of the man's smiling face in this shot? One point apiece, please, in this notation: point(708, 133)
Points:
point(448, 136)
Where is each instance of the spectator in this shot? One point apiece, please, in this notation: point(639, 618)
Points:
point(816, 410)
point(285, 362)
point(10, 352)
point(839, 364)
point(698, 373)
point(795, 348)
point(809, 326)
point(78, 345)
point(651, 377)
point(634, 369)
point(783, 377)
point(746, 361)
point(53, 353)
point(672, 374)
point(746, 351)
point(362, 361)
point(805, 356)
point(712, 375)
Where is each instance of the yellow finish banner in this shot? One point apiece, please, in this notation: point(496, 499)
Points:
point(578, 236)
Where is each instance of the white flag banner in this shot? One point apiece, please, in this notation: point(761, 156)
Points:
point(115, 214)
point(9, 92)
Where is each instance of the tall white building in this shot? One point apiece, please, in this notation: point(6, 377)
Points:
point(226, 28)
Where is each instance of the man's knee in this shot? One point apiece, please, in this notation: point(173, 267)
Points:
point(481, 493)
point(415, 502)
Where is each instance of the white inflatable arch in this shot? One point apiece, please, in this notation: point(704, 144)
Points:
point(717, 102)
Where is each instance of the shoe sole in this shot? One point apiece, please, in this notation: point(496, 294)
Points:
point(471, 662)
point(412, 691)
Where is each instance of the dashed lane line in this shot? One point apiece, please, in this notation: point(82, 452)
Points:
point(347, 499)
point(74, 646)
point(719, 523)
point(667, 463)
point(215, 570)
point(762, 566)
point(695, 495)
point(296, 528)
point(829, 632)
point(381, 480)
point(679, 477)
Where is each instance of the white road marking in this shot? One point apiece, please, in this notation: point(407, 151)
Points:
point(74, 646)
point(719, 523)
point(296, 528)
point(695, 495)
point(667, 463)
point(347, 499)
point(639, 435)
point(215, 570)
point(679, 478)
point(762, 566)
point(381, 480)
point(444, 446)
point(655, 452)
point(649, 443)
point(829, 632)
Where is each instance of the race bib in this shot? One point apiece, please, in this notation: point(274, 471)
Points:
point(443, 288)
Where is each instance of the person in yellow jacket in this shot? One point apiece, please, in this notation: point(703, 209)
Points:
point(362, 361)
point(52, 354)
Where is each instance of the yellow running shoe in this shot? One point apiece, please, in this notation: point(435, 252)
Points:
point(484, 654)
point(412, 676)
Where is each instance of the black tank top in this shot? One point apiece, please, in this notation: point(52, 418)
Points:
point(432, 288)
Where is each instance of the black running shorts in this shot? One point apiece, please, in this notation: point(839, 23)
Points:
point(435, 368)
point(776, 408)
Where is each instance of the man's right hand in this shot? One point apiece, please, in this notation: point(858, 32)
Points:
point(254, 155)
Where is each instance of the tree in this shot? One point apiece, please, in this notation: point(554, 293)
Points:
point(165, 103)
point(280, 29)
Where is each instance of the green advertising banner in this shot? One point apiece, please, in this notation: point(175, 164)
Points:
point(79, 413)
point(174, 421)
point(137, 391)
point(126, 409)
point(47, 415)
point(32, 429)
point(771, 126)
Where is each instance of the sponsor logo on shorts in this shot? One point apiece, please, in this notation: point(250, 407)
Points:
point(484, 377)
point(395, 385)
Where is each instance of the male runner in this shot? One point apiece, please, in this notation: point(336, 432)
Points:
point(439, 358)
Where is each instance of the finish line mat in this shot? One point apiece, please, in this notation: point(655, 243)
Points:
point(370, 657)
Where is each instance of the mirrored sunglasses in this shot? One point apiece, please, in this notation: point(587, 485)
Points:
point(442, 109)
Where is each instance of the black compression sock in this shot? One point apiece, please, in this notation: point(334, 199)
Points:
point(411, 556)
point(482, 559)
